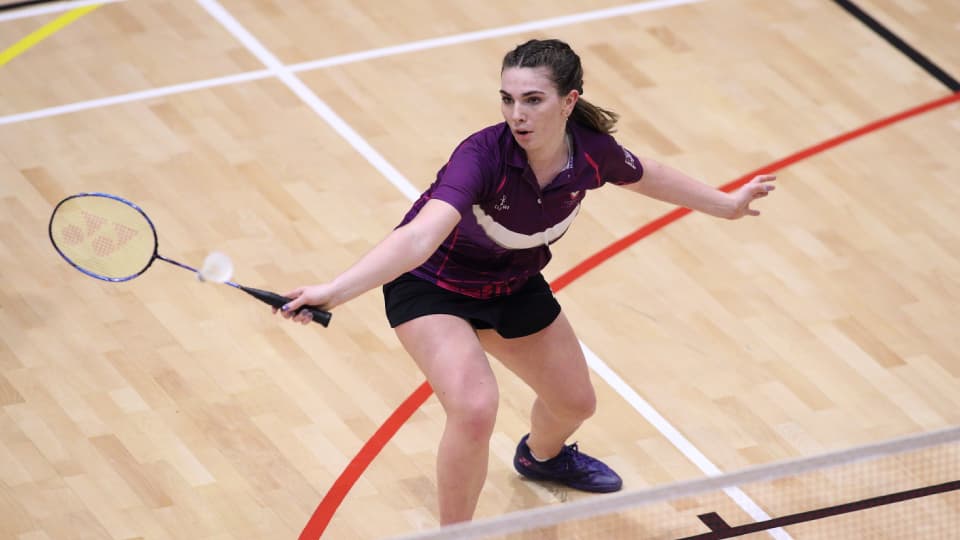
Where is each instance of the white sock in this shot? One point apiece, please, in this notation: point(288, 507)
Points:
point(534, 456)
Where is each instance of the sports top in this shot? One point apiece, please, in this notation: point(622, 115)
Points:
point(507, 222)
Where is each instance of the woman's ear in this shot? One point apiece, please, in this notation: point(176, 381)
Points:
point(570, 101)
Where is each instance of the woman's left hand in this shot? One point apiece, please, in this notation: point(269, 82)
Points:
point(749, 192)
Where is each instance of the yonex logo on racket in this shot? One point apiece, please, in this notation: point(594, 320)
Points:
point(103, 246)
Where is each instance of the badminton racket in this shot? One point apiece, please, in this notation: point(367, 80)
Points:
point(110, 238)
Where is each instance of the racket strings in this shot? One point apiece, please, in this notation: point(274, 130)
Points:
point(103, 236)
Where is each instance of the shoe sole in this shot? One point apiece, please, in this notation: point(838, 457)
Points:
point(578, 487)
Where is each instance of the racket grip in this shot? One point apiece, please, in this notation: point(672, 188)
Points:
point(277, 301)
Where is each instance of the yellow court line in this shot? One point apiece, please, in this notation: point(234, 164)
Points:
point(44, 32)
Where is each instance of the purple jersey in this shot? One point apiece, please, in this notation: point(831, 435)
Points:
point(507, 222)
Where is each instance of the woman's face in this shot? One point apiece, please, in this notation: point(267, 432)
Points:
point(532, 107)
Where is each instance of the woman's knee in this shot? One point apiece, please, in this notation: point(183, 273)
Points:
point(577, 405)
point(448, 352)
point(474, 412)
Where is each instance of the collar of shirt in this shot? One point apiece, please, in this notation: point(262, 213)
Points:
point(517, 157)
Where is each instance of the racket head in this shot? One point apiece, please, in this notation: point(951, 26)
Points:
point(104, 236)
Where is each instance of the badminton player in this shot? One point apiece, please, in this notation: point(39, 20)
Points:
point(461, 274)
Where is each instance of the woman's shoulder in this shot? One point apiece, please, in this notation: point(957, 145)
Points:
point(489, 145)
point(589, 136)
point(603, 151)
point(491, 136)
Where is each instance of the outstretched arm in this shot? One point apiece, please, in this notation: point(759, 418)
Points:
point(670, 185)
point(402, 250)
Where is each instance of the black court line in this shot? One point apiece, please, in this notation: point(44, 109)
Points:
point(714, 522)
point(725, 531)
point(24, 3)
point(901, 45)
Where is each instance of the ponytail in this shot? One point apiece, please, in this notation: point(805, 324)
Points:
point(593, 117)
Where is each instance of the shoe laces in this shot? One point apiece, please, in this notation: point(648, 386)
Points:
point(576, 460)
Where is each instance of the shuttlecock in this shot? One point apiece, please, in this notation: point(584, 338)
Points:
point(217, 268)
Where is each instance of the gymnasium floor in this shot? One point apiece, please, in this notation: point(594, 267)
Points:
point(293, 135)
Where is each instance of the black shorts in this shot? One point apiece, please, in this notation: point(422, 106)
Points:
point(526, 311)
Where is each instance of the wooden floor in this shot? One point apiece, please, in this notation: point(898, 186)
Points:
point(167, 408)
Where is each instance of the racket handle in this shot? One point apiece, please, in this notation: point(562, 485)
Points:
point(277, 301)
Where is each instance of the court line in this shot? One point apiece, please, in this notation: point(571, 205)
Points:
point(341, 486)
point(719, 529)
point(22, 4)
point(141, 95)
point(664, 220)
point(479, 35)
point(42, 33)
point(341, 59)
point(687, 448)
point(56, 8)
point(913, 54)
point(307, 95)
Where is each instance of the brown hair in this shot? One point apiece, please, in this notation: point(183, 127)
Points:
point(567, 75)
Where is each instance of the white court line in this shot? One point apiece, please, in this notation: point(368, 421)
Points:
point(343, 58)
point(50, 8)
point(522, 28)
point(136, 96)
point(310, 98)
point(359, 143)
point(675, 437)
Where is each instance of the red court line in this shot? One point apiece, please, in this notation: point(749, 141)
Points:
point(338, 491)
point(331, 501)
point(616, 247)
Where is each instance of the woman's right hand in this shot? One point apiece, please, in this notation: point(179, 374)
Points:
point(311, 295)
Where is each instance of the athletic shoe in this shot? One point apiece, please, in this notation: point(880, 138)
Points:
point(570, 468)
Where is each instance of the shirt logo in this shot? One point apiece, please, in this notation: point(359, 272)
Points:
point(572, 200)
point(502, 205)
point(628, 159)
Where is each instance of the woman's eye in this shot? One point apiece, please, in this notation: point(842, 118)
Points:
point(505, 99)
point(533, 100)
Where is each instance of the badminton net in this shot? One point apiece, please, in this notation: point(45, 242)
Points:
point(907, 488)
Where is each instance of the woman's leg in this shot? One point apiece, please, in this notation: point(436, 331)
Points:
point(448, 352)
point(552, 364)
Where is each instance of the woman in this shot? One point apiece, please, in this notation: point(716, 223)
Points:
point(462, 271)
